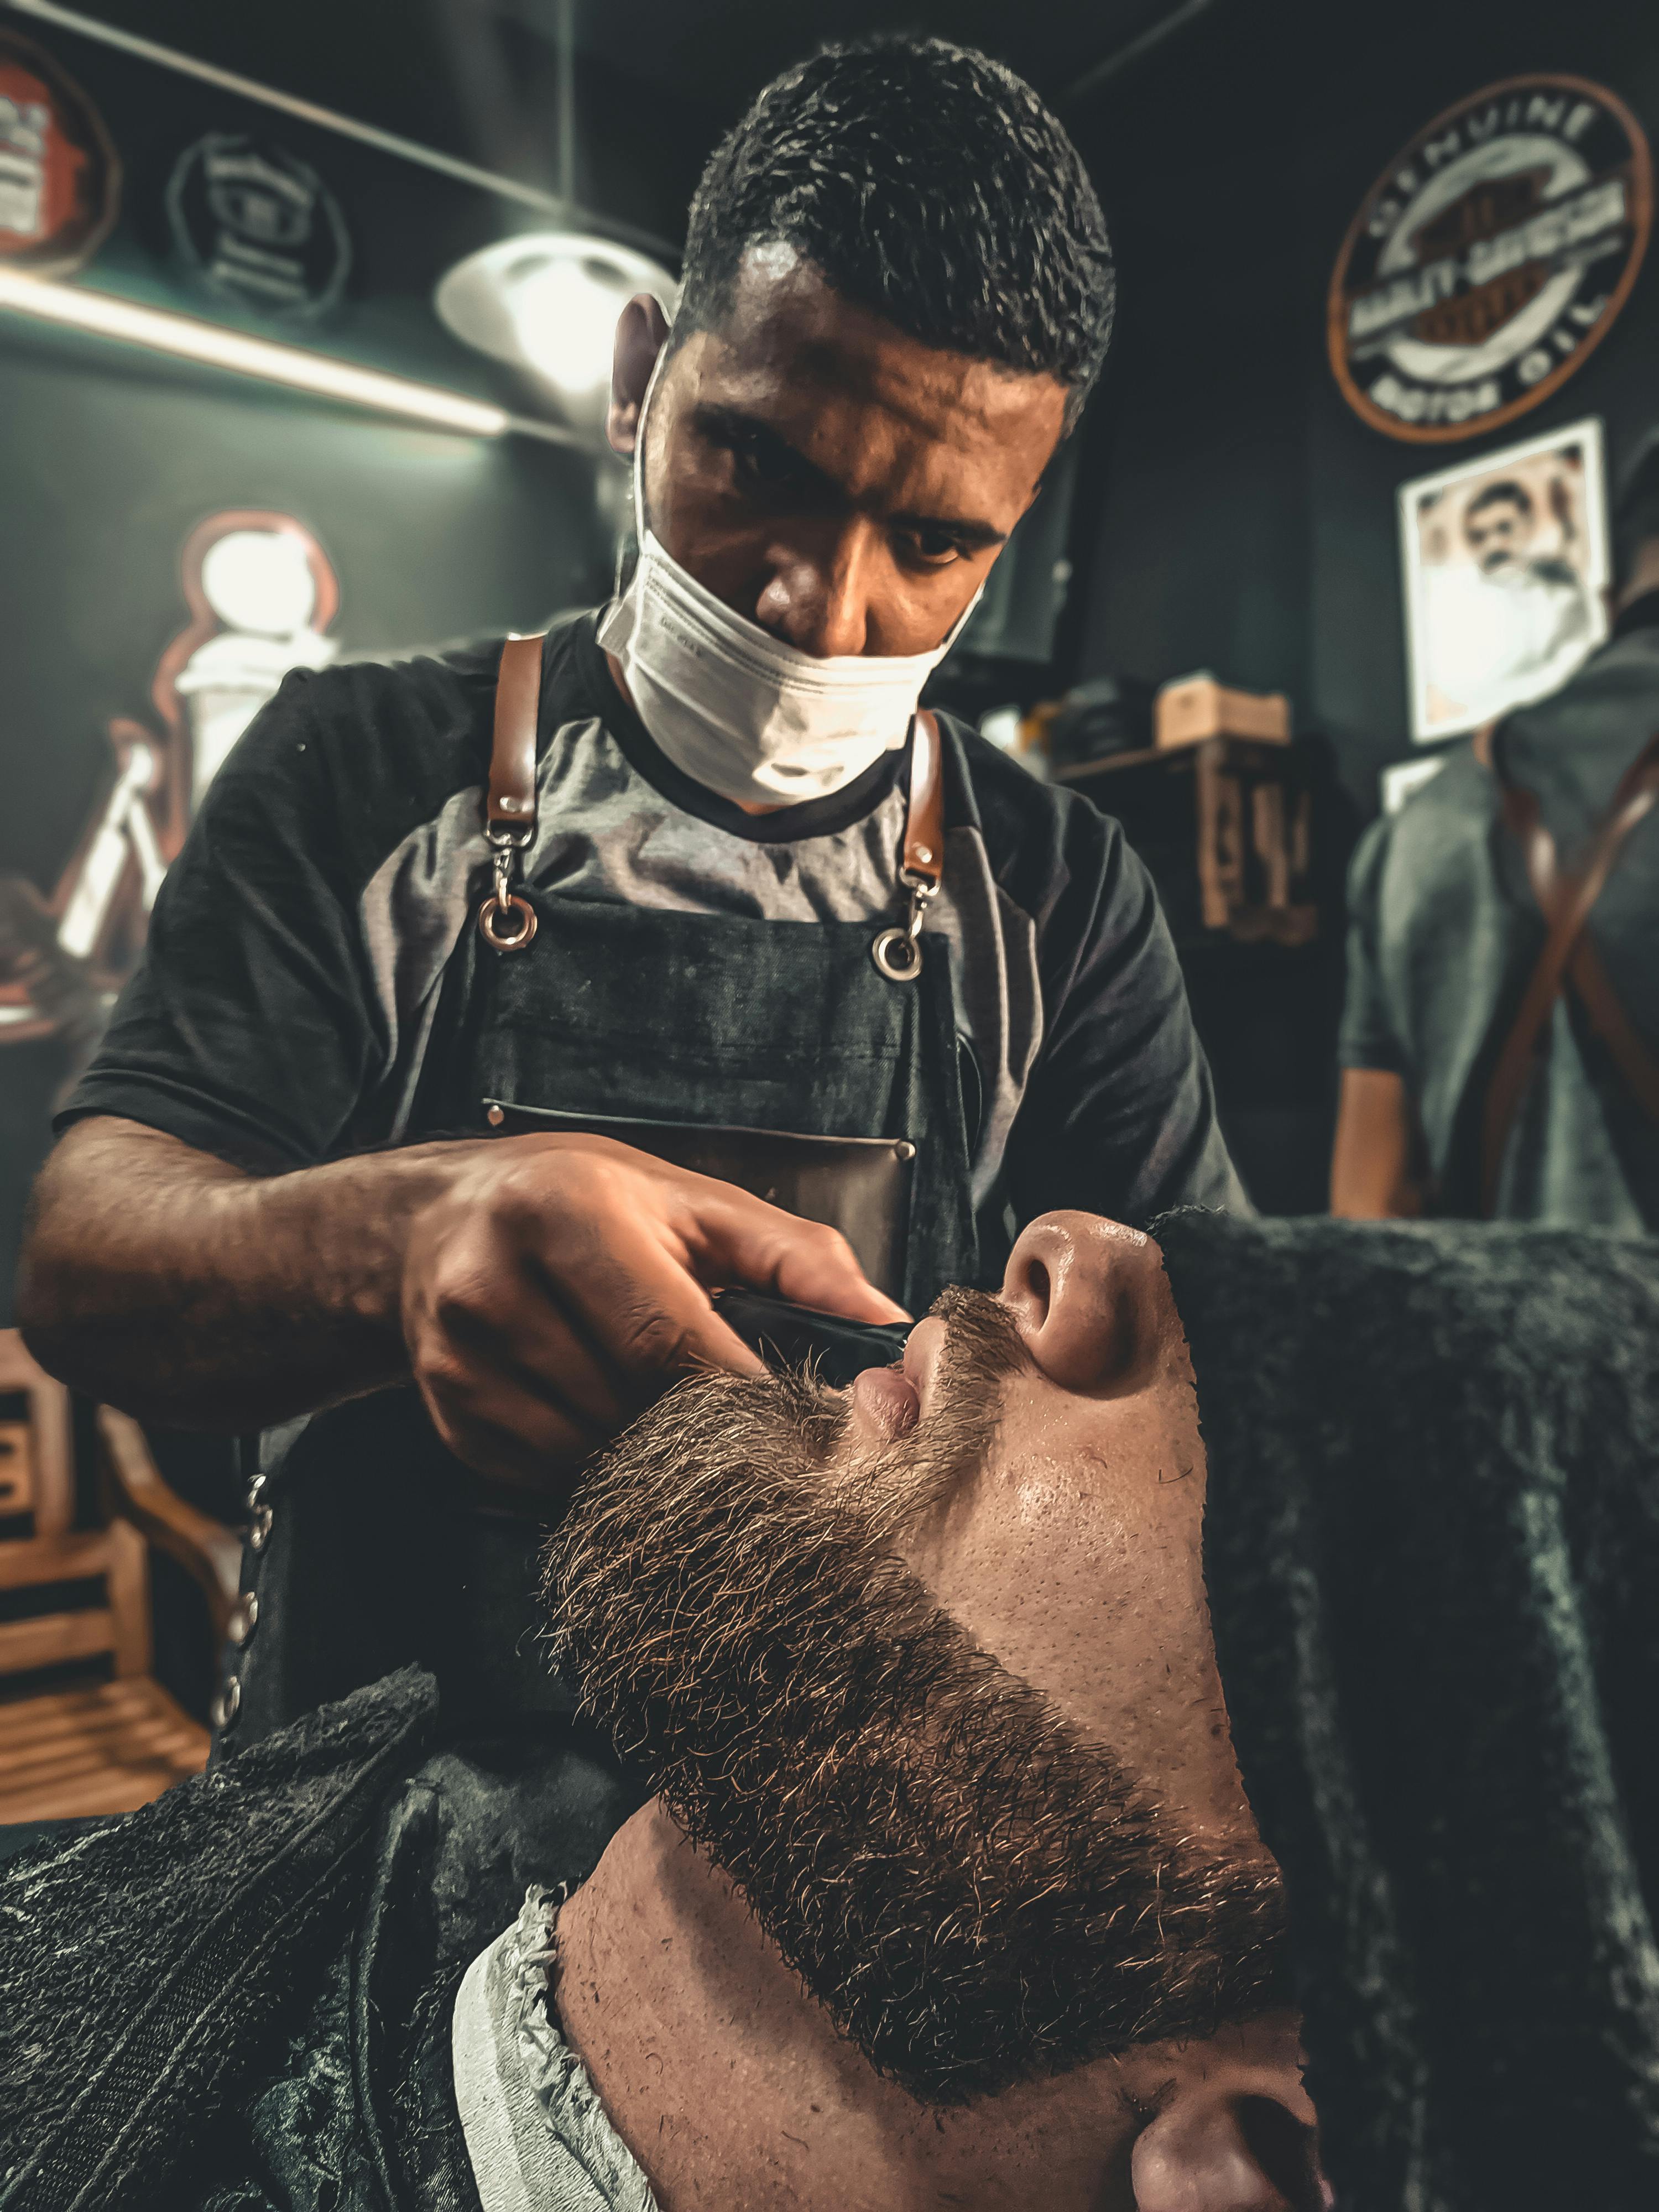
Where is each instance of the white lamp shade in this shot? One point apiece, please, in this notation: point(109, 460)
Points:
point(549, 302)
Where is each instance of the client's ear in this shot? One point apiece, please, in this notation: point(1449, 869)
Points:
point(1209, 2153)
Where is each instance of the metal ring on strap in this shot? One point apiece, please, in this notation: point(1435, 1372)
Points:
point(898, 955)
point(494, 916)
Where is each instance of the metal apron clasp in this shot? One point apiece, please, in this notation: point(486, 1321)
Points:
point(507, 922)
point(897, 951)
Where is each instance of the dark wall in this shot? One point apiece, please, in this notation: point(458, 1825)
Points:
point(1246, 516)
point(1233, 511)
point(1356, 679)
point(1198, 556)
point(109, 456)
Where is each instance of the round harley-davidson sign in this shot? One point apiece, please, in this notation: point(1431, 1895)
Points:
point(1490, 260)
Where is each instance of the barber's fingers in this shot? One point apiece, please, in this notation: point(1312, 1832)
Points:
point(511, 1321)
point(634, 1298)
point(495, 1424)
point(743, 1239)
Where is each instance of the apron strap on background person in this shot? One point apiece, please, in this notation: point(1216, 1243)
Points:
point(1568, 959)
point(507, 922)
point(897, 951)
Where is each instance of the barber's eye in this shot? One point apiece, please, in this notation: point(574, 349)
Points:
point(933, 548)
point(762, 464)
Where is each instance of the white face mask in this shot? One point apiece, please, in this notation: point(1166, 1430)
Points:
point(736, 709)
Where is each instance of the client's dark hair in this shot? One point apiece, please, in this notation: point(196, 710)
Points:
point(927, 182)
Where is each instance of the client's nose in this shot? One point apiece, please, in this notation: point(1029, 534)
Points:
point(1090, 1299)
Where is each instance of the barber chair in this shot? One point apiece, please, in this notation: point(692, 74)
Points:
point(84, 1730)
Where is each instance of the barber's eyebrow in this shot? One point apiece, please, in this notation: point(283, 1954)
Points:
point(733, 425)
point(964, 528)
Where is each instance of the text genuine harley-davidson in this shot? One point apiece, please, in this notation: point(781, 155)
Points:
point(1490, 258)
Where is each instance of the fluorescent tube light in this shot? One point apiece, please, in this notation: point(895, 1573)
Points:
point(190, 339)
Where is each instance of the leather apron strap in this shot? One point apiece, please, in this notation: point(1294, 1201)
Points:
point(1567, 901)
point(511, 806)
point(507, 922)
point(897, 952)
point(924, 826)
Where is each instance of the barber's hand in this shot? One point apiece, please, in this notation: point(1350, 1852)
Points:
point(559, 1284)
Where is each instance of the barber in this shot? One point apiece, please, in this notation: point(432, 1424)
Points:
point(485, 984)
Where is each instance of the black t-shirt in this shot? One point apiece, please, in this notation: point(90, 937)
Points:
point(292, 994)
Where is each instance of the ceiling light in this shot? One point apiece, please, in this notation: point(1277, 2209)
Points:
point(549, 303)
point(190, 339)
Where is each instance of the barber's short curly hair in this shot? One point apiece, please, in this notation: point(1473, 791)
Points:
point(927, 182)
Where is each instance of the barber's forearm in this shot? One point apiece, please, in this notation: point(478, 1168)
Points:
point(168, 1282)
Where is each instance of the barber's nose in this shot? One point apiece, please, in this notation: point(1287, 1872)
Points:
point(816, 601)
point(1090, 1298)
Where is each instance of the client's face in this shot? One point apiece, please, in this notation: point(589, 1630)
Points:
point(924, 1666)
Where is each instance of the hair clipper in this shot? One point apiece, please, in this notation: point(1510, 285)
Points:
point(798, 1336)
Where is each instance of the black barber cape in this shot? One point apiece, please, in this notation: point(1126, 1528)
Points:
point(239, 1999)
point(1432, 1553)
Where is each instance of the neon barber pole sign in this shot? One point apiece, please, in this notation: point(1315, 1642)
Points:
point(261, 593)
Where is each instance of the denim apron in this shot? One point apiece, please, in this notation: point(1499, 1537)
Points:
point(816, 1064)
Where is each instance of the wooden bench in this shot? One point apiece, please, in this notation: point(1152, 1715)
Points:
point(103, 1737)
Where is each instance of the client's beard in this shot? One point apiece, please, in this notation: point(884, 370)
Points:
point(974, 1892)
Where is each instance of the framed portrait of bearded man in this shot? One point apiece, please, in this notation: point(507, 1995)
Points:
point(1505, 572)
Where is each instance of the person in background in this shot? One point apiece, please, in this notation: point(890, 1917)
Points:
point(1500, 1041)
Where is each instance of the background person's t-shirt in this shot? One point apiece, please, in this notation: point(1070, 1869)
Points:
point(1444, 932)
point(290, 995)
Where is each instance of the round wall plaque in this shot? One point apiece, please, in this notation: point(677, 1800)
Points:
point(1490, 259)
point(60, 181)
point(258, 226)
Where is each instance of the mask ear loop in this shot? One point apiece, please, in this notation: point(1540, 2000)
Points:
point(639, 442)
point(622, 582)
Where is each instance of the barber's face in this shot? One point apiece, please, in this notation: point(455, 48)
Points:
point(925, 1667)
point(837, 482)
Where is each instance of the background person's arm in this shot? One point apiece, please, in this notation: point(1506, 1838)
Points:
point(1377, 1160)
point(1373, 1161)
point(538, 1289)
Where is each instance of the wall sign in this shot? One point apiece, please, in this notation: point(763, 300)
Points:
point(258, 226)
point(60, 180)
point(1488, 261)
point(261, 593)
